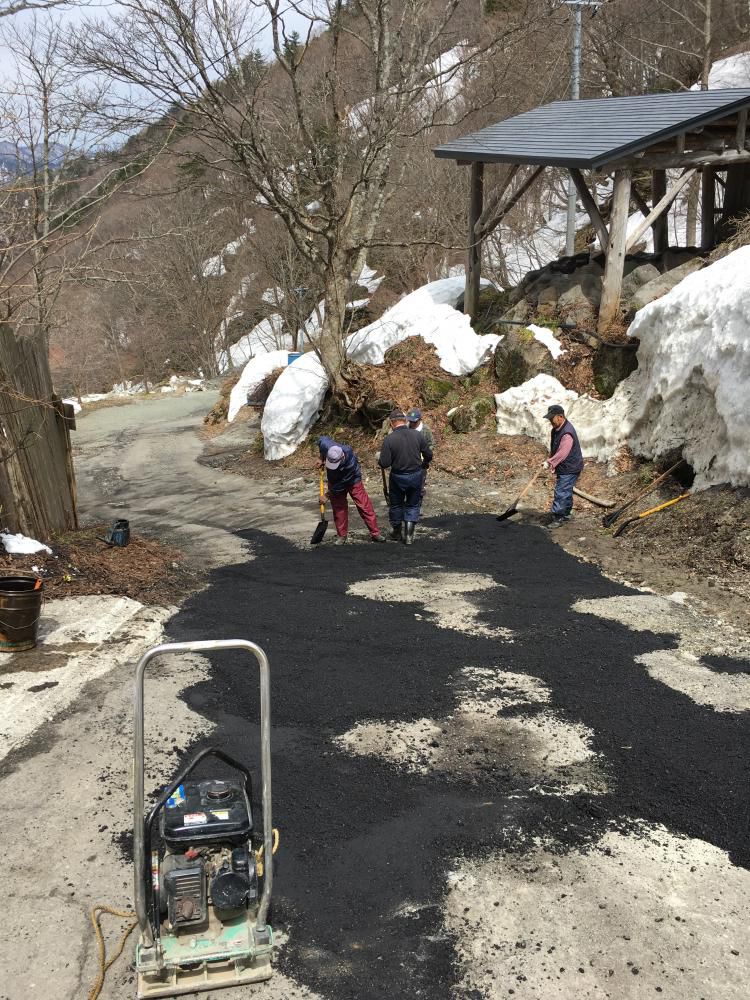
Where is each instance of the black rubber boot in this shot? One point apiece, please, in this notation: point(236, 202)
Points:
point(395, 532)
point(410, 528)
point(403, 531)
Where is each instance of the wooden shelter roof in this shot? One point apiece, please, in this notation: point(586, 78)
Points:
point(589, 134)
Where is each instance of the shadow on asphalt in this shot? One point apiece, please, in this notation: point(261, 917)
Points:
point(366, 847)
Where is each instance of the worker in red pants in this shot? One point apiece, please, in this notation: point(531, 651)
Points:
point(345, 480)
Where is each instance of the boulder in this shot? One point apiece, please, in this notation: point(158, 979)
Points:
point(472, 416)
point(638, 277)
point(662, 284)
point(434, 390)
point(519, 357)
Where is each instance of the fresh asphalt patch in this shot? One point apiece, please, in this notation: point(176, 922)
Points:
point(367, 843)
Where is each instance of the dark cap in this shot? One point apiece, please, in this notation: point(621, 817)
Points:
point(414, 416)
point(397, 415)
point(554, 411)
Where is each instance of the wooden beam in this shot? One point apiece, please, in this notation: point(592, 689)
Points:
point(708, 209)
point(613, 271)
point(591, 207)
point(661, 206)
point(739, 140)
point(643, 206)
point(513, 200)
point(659, 226)
point(663, 161)
point(474, 254)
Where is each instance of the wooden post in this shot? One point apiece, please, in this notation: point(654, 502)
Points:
point(474, 255)
point(660, 226)
point(708, 209)
point(618, 230)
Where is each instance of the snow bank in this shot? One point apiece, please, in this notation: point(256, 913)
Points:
point(726, 74)
point(21, 545)
point(694, 375)
point(545, 336)
point(521, 410)
point(293, 406)
point(430, 313)
point(252, 375)
point(75, 404)
point(691, 390)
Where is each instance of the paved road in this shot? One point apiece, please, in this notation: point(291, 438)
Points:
point(496, 773)
point(140, 461)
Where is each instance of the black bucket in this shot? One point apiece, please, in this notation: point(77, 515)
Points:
point(20, 610)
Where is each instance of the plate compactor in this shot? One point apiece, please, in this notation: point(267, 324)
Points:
point(203, 877)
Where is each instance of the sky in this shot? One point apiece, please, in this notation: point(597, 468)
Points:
point(103, 9)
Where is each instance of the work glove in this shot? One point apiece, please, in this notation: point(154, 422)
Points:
point(545, 464)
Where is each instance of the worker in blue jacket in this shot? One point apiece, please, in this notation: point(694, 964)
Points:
point(344, 475)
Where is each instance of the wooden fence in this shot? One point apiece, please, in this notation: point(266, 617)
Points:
point(37, 481)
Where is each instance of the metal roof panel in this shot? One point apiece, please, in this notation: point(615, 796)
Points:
point(591, 133)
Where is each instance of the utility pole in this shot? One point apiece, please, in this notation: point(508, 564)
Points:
point(576, 7)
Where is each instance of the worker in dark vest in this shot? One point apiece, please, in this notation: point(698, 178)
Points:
point(566, 459)
point(406, 453)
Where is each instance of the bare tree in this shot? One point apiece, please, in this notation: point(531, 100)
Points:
point(50, 195)
point(314, 137)
point(10, 7)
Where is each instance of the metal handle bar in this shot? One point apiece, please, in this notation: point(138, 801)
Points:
point(141, 873)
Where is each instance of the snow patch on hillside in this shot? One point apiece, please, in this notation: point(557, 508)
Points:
point(691, 390)
point(368, 279)
point(728, 73)
point(267, 336)
point(429, 312)
point(545, 336)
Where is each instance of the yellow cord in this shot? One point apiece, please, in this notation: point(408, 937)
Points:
point(259, 852)
point(104, 962)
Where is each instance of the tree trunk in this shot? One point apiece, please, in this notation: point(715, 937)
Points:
point(329, 343)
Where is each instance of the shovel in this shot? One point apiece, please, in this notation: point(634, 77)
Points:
point(320, 530)
point(648, 513)
point(512, 509)
point(609, 519)
point(386, 494)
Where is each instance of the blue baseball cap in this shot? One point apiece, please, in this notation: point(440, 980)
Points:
point(414, 416)
point(335, 457)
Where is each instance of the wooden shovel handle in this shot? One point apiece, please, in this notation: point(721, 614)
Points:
point(528, 485)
